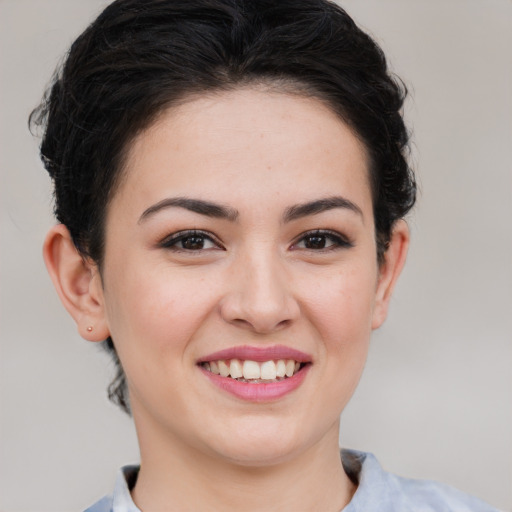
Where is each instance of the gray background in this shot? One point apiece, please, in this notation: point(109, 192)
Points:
point(436, 397)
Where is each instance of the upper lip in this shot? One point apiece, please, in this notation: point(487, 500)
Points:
point(259, 354)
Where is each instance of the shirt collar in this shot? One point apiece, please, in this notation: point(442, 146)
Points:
point(362, 468)
point(121, 498)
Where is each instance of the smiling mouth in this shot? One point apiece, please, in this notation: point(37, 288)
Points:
point(254, 372)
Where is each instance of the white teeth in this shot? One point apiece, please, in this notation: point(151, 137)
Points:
point(280, 368)
point(251, 370)
point(214, 367)
point(268, 370)
point(235, 369)
point(223, 369)
point(290, 367)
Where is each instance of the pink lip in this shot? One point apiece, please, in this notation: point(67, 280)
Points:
point(258, 392)
point(259, 354)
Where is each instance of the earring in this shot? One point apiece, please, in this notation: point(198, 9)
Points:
point(89, 329)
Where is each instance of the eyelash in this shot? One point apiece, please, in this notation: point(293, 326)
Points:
point(338, 241)
point(172, 241)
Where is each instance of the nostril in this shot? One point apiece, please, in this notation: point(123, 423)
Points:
point(283, 323)
point(261, 325)
point(240, 322)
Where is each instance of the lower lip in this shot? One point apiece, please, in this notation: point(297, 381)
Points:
point(259, 392)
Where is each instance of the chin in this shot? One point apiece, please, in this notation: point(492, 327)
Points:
point(258, 455)
point(261, 444)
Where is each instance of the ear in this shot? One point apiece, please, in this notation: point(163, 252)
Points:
point(390, 269)
point(78, 283)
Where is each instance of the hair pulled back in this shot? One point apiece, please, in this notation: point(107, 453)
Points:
point(140, 57)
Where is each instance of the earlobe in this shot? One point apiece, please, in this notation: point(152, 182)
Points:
point(394, 260)
point(77, 282)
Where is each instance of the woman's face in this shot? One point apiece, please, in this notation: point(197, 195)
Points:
point(242, 238)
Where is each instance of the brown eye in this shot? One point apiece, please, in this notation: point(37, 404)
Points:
point(193, 241)
point(315, 242)
point(321, 240)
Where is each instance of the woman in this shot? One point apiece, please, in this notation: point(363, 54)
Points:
point(230, 182)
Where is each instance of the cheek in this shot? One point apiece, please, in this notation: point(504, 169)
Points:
point(156, 311)
point(342, 305)
point(339, 307)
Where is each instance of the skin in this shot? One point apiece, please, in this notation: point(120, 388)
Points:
point(255, 280)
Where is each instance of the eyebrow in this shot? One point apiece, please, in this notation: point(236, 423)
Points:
point(319, 206)
point(194, 205)
point(220, 211)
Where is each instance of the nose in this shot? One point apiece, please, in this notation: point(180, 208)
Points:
point(260, 298)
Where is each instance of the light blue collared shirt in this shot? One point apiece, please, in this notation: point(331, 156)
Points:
point(377, 491)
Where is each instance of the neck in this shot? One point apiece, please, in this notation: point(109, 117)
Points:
point(178, 477)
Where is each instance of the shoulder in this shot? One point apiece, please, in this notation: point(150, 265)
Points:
point(381, 491)
point(120, 500)
point(437, 497)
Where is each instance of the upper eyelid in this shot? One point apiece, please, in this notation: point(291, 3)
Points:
point(324, 232)
point(174, 237)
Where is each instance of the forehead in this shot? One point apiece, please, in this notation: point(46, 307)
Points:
point(232, 144)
